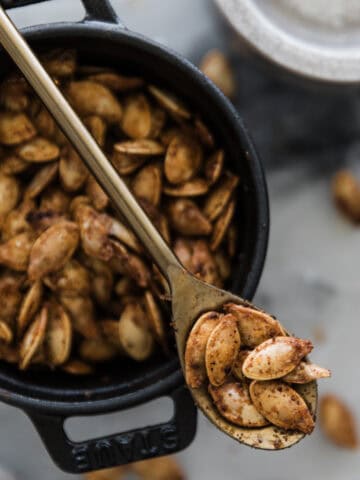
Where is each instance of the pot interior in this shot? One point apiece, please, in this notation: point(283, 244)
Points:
point(111, 46)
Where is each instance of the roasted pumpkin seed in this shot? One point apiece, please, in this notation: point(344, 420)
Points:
point(337, 422)
point(305, 373)
point(38, 150)
point(58, 338)
point(135, 336)
point(275, 358)
point(15, 128)
point(254, 326)
point(217, 67)
point(281, 405)
point(195, 369)
point(233, 401)
point(183, 159)
point(222, 349)
point(29, 306)
point(187, 219)
point(33, 338)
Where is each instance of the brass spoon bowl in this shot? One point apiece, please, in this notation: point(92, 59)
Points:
point(190, 297)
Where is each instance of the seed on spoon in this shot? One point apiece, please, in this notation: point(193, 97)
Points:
point(221, 350)
point(254, 326)
point(281, 405)
point(233, 401)
point(275, 358)
point(305, 373)
point(238, 365)
point(195, 369)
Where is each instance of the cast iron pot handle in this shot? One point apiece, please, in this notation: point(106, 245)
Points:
point(95, 9)
point(122, 448)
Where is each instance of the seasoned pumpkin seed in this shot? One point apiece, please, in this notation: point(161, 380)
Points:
point(191, 188)
point(72, 171)
point(254, 326)
point(142, 147)
point(15, 253)
point(171, 103)
point(233, 401)
point(275, 358)
point(91, 98)
point(15, 128)
point(183, 159)
point(195, 369)
point(58, 338)
point(281, 405)
point(38, 150)
point(52, 249)
point(41, 180)
point(29, 306)
point(6, 333)
point(305, 373)
point(216, 66)
point(33, 338)
point(338, 422)
point(77, 367)
point(220, 197)
point(222, 349)
point(9, 193)
point(187, 219)
point(147, 184)
point(221, 226)
point(135, 336)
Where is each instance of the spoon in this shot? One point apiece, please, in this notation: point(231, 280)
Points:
point(190, 297)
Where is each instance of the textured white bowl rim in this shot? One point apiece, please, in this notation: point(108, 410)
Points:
point(319, 62)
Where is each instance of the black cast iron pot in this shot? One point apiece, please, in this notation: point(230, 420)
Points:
point(49, 398)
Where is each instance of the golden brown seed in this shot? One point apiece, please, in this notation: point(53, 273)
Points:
point(55, 199)
point(15, 253)
point(195, 369)
point(29, 306)
point(10, 296)
point(281, 405)
point(14, 93)
point(72, 171)
point(155, 319)
point(221, 350)
point(183, 159)
point(137, 119)
point(214, 166)
point(53, 249)
point(220, 197)
point(132, 264)
point(233, 402)
point(276, 357)
point(9, 193)
point(115, 81)
point(94, 232)
point(15, 128)
point(306, 372)
point(96, 194)
point(142, 147)
point(77, 367)
point(338, 422)
point(187, 219)
point(147, 184)
point(90, 98)
point(172, 104)
point(163, 468)
point(238, 364)
point(33, 338)
point(16, 221)
point(82, 313)
point(72, 280)
point(12, 165)
point(346, 192)
point(58, 338)
point(102, 282)
point(254, 326)
point(221, 226)
point(191, 188)
point(217, 67)
point(97, 351)
point(203, 264)
point(38, 150)
point(135, 336)
point(59, 62)
point(6, 334)
point(126, 164)
point(97, 127)
point(45, 123)
point(41, 180)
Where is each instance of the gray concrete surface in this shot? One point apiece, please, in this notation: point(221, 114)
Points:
point(310, 281)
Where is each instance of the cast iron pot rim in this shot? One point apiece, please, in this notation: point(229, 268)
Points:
point(163, 387)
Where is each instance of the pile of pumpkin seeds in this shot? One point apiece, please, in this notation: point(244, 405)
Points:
point(76, 287)
point(251, 367)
